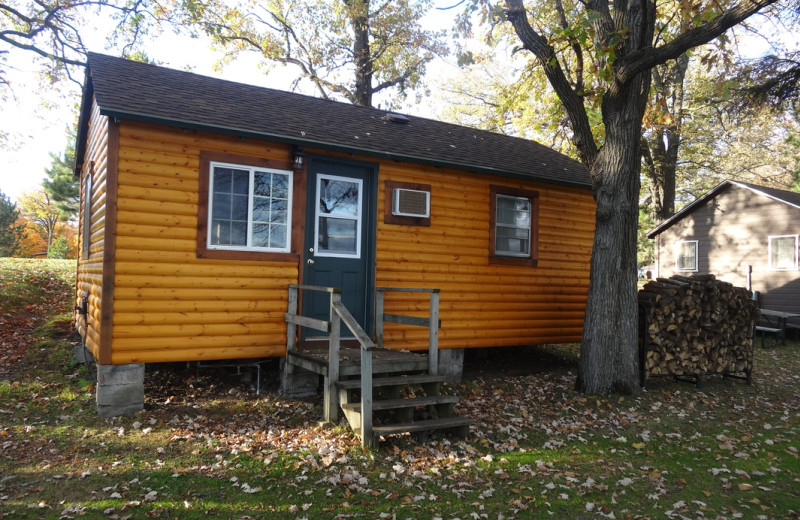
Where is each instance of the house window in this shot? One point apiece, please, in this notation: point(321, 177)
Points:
point(783, 253)
point(249, 208)
point(513, 233)
point(87, 212)
point(686, 256)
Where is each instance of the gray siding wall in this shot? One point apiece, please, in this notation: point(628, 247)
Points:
point(732, 231)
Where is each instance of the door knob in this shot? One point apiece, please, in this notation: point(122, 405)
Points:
point(310, 261)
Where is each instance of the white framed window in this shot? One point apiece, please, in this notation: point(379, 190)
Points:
point(513, 226)
point(250, 208)
point(338, 216)
point(87, 212)
point(783, 253)
point(686, 255)
point(513, 222)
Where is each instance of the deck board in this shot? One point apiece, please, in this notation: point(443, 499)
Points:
point(383, 361)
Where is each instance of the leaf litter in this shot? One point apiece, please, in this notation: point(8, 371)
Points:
point(537, 447)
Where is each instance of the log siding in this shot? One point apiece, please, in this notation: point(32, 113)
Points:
point(91, 263)
point(173, 301)
point(484, 304)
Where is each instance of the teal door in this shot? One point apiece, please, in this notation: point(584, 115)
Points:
point(340, 239)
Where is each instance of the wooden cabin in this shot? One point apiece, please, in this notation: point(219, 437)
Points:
point(742, 233)
point(203, 200)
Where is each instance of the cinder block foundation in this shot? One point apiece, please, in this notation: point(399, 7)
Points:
point(451, 364)
point(120, 389)
point(297, 382)
point(82, 354)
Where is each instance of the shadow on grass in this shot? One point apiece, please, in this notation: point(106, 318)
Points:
point(519, 361)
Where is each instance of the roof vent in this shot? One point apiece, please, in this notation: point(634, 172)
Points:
point(397, 118)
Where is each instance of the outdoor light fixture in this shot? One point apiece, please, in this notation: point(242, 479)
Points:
point(299, 156)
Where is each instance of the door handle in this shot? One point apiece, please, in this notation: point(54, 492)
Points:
point(310, 261)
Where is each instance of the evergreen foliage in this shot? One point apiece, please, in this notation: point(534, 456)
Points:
point(59, 249)
point(61, 184)
point(10, 231)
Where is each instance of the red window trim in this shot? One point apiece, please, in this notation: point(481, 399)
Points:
point(203, 250)
point(533, 259)
point(388, 218)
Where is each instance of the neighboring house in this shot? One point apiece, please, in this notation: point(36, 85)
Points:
point(203, 199)
point(742, 233)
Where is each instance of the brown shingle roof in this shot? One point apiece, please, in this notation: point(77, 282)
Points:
point(134, 90)
point(787, 197)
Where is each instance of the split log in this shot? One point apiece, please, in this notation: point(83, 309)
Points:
point(697, 325)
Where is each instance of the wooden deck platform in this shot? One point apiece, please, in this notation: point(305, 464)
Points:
point(384, 361)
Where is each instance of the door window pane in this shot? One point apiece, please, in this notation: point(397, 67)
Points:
point(338, 197)
point(338, 216)
point(337, 236)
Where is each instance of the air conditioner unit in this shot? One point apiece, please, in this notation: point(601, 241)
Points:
point(411, 203)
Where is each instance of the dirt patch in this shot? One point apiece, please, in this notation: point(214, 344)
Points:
point(188, 384)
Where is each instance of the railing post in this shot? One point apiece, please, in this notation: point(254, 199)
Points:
point(331, 392)
point(291, 328)
point(367, 437)
point(433, 334)
point(379, 296)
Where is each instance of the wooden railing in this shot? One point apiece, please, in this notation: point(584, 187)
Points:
point(432, 321)
point(338, 315)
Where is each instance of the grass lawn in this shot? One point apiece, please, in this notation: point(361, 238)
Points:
point(212, 448)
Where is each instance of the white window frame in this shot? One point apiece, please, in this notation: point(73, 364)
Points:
point(212, 165)
point(357, 218)
point(87, 213)
point(769, 253)
point(498, 225)
point(678, 247)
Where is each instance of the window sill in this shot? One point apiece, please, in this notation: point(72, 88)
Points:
point(253, 256)
point(511, 260)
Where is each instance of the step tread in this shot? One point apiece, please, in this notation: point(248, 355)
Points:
point(352, 384)
point(420, 426)
point(391, 404)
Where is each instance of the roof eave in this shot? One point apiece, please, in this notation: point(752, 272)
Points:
point(688, 209)
point(83, 123)
point(194, 125)
point(708, 195)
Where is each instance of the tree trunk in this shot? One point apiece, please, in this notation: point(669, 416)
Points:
point(362, 57)
point(665, 139)
point(609, 354)
point(661, 173)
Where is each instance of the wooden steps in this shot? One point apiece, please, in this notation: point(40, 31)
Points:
point(444, 423)
point(409, 403)
point(378, 382)
point(413, 402)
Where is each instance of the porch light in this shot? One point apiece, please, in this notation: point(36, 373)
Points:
point(298, 157)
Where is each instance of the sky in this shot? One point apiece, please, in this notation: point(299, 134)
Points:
point(37, 117)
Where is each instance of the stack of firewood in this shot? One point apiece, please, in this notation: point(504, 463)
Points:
point(698, 325)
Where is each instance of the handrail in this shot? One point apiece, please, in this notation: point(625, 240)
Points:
point(353, 325)
point(367, 346)
point(432, 321)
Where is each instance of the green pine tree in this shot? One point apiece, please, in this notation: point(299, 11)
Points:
point(10, 232)
point(61, 184)
point(60, 248)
